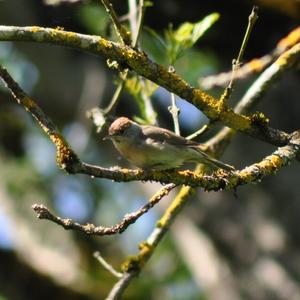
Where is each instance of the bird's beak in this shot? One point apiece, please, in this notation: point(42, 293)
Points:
point(107, 137)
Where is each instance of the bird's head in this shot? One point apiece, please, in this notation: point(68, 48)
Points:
point(123, 129)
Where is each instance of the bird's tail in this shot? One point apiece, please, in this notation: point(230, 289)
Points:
point(219, 164)
point(214, 162)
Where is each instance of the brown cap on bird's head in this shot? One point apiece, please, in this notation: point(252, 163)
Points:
point(118, 126)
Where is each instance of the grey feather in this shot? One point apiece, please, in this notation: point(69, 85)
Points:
point(166, 136)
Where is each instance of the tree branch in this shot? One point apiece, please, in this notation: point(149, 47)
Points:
point(217, 145)
point(106, 265)
point(133, 266)
point(254, 66)
point(68, 160)
point(254, 94)
point(44, 213)
point(139, 62)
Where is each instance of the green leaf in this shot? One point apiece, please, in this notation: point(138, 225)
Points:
point(183, 33)
point(148, 4)
point(189, 33)
point(200, 27)
point(94, 18)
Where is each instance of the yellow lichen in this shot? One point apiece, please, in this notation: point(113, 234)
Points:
point(291, 39)
point(215, 110)
point(178, 202)
point(238, 122)
point(272, 162)
point(59, 28)
point(289, 56)
point(136, 262)
point(145, 250)
point(64, 154)
point(35, 29)
point(130, 54)
point(105, 44)
point(256, 65)
point(69, 34)
point(258, 118)
point(131, 263)
point(28, 103)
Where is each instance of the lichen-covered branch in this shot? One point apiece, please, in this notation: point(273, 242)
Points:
point(254, 94)
point(68, 160)
point(261, 85)
point(134, 264)
point(216, 181)
point(216, 145)
point(44, 213)
point(255, 65)
point(138, 61)
point(65, 155)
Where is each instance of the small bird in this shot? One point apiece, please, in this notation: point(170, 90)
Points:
point(151, 147)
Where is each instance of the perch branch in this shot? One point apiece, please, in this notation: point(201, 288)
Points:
point(68, 160)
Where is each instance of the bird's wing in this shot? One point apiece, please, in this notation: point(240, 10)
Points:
point(164, 135)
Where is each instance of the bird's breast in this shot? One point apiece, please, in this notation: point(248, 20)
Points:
point(132, 152)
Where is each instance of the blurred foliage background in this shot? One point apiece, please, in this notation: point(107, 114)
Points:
point(222, 246)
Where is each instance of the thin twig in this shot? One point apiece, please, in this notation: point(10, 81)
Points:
point(136, 22)
point(121, 31)
point(258, 89)
point(237, 62)
point(106, 265)
point(198, 132)
point(174, 110)
point(114, 101)
point(125, 38)
point(132, 17)
point(140, 20)
point(149, 109)
point(120, 286)
point(251, 21)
